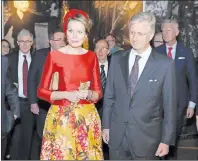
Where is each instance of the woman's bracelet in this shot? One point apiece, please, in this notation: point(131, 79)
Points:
point(89, 96)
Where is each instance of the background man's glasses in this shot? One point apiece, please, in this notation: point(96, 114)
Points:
point(25, 42)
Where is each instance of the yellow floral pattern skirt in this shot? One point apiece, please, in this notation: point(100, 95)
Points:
point(72, 133)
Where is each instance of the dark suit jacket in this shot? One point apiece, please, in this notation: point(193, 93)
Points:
point(197, 86)
point(154, 95)
point(99, 104)
point(185, 77)
point(7, 89)
point(34, 76)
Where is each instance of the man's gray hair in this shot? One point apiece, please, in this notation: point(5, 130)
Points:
point(24, 32)
point(173, 21)
point(144, 16)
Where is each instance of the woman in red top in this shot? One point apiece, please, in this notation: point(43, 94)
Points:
point(72, 128)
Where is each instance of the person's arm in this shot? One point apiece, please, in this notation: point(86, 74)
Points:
point(8, 25)
point(12, 97)
point(44, 92)
point(32, 79)
point(191, 76)
point(168, 135)
point(11, 93)
point(109, 96)
point(95, 83)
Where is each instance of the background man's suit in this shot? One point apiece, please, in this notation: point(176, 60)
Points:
point(7, 117)
point(185, 80)
point(197, 86)
point(99, 104)
point(34, 76)
point(140, 117)
point(23, 131)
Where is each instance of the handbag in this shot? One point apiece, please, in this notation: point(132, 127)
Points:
point(54, 81)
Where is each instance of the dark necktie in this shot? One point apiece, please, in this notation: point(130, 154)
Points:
point(25, 75)
point(103, 77)
point(170, 53)
point(133, 78)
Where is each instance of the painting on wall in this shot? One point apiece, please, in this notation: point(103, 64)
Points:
point(39, 17)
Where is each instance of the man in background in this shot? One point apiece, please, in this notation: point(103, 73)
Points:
point(102, 51)
point(19, 63)
point(158, 40)
point(111, 40)
point(185, 73)
point(7, 116)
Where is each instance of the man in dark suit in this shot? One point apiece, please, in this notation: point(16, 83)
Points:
point(102, 51)
point(7, 117)
point(40, 107)
point(18, 71)
point(185, 71)
point(139, 110)
point(197, 94)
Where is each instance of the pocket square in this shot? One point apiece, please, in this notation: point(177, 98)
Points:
point(181, 58)
point(152, 80)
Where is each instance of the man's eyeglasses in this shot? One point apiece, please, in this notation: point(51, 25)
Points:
point(24, 42)
point(159, 41)
point(59, 39)
point(138, 33)
point(102, 49)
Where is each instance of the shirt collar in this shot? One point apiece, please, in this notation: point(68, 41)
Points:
point(174, 46)
point(145, 54)
point(21, 54)
point(105, 63)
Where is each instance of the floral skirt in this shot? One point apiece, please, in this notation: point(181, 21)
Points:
point(72, 133)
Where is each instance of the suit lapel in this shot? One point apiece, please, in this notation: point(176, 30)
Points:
point(177, 53)
point(147, 71)
point(31, 54)
point(124, 65)
point(15, 67)
point(164, 50)
point(109, 61)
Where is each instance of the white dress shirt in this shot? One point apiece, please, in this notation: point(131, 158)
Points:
point(20, 72)
point(142, 62)
point(173, 52)
point(105, 67)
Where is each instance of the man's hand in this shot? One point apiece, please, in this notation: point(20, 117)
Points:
point(105, 135)
point(162, 150)
point(35, 109)
point(190, 112)
point(15, 117)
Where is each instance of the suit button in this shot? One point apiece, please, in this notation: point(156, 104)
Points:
point(130, 108)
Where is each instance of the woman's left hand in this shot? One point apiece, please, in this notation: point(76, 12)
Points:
point(82, 94)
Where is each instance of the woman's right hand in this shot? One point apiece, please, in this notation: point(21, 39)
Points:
point(73, 96)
